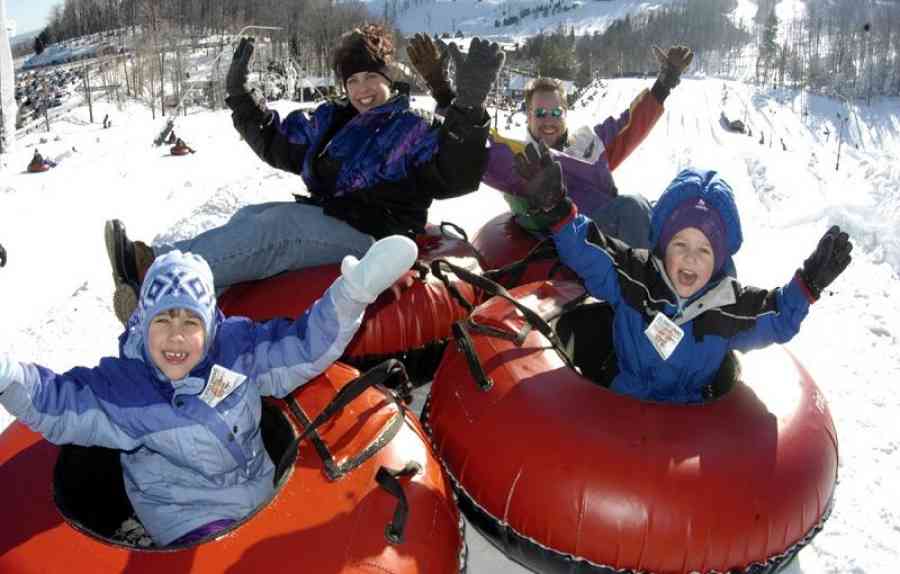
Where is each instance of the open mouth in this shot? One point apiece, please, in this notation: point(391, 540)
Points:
point(367, 101)
point(175, 358)
point(687, 277)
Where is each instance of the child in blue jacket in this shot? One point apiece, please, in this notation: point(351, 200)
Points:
point(183, 399)
point(677, 311)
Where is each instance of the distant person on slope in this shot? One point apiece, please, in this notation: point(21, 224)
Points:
point(38, 163)
point(182, 401)
point(180, 148)
point(603, 148)
point(370, 164)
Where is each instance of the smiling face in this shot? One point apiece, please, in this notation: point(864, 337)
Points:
point(689, 261)
point(176, 342)
point(549, 129)
point(367, 90)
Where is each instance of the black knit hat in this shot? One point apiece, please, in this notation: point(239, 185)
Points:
point(366, 49)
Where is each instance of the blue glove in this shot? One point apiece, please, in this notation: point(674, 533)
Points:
point(385, 262)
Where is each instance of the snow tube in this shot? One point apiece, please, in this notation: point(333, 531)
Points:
point(38, 167)
point(410, 321)
point(512, 256)
point(175, 150)
point(575, 478)
point(363, 494)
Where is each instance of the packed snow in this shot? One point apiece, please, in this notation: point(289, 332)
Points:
point(56, 290)
point(479, 17)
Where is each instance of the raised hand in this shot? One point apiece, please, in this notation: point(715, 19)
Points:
point(385, 262)
point(246, 103)
point(432, 61)
point(545, 190)
point(831, 257)
point(236, 80)
point(476, 72)
point(672, 63)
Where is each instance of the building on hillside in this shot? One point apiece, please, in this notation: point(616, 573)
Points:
point(516, 84)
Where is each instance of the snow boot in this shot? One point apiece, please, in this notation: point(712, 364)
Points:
point(125, 301)
point(129, 261)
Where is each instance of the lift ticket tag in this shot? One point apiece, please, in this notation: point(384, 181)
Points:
point(664, 335)
point(220, 384)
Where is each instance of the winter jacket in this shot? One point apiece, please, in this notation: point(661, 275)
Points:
point(378, 171)
point(588, 157)
point(722, 316)
point(187, 463)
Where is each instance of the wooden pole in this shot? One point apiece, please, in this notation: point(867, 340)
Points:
point(87, 91)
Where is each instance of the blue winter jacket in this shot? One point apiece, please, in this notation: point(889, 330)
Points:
point(187, 463)
point(383, 144)
point(722, 316)
point(377, 171)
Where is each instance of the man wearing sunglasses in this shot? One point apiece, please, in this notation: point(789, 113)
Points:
point(588, 154)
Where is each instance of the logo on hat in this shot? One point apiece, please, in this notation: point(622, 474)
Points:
point(176, 283)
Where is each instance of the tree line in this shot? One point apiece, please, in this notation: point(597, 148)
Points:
point(849, 48)
point(308, 28)
point(844, 47)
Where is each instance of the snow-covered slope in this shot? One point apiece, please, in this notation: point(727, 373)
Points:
point(55, 292)
point(477, 17)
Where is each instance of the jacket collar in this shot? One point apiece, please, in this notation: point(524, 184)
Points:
point(721, 291)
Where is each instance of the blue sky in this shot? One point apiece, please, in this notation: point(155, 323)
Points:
point(29, 14)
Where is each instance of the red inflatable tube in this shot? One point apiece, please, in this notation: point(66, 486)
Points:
point(566, 476)
point(38, 167)
point(410, 321)
point(329, 514)
point(502, 242)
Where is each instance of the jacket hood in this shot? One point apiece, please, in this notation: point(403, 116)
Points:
point(715, 191)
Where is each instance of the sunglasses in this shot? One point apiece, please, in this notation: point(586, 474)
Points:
point(544, 112)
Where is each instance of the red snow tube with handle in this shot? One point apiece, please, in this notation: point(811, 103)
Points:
point(512, 256)
point(576, 478)
point(362, 495)
point(410, 321)
point(38, 167)
point(176, 150)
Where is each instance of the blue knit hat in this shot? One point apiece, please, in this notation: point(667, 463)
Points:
point(697, 213)
point(179, 280)
point(701, 199)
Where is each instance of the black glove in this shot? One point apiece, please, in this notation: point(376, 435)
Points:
point(476, 72)
point(672, 63)
point(246, 103)
point(2, 256)
point(236, 80)
point(432, 61)
point(829, 260)
point(545, 190)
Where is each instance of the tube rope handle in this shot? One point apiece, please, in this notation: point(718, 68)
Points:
point(377, 375)
point(389, 480)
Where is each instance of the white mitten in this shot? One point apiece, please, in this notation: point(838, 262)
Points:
point(10, 370)
point(385, 262)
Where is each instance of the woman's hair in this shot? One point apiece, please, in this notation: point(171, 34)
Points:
point(369, 48)
point(545, 85)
